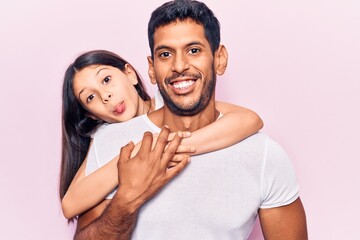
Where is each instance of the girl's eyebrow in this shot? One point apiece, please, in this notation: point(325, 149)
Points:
point(81, 92)
point(104, 68)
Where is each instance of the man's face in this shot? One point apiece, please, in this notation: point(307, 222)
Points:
point(183, 67)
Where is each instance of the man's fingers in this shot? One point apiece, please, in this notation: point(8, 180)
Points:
point(172, 164)
point(171, 150)
point(175, 170)
point(168, 175)
point(161, 141)
point(125, 152)
point(177, 158)
point(146, 143)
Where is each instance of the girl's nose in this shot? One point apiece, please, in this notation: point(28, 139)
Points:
point(106, 97)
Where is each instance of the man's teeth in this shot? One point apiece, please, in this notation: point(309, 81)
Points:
point(183, 84)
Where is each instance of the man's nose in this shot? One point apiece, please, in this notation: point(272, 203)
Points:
point(180, 63)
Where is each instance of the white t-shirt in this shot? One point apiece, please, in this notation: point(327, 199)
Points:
point(217, 196)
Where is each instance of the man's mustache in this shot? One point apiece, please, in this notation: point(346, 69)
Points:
point(180, 75)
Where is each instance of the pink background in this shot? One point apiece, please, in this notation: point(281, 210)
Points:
point(294, 62)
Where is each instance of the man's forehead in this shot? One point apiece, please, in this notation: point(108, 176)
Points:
point(178, 31)
point(179, 21)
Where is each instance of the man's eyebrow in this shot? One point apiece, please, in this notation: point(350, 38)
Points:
point(160, 47)
point(194, 43)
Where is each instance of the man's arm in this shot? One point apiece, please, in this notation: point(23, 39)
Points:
point(140, 178)
point(108, 220)
point(284, 223)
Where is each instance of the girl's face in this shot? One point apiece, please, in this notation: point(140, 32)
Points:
point(107, 93)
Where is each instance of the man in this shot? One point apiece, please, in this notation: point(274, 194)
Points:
point(219, 194)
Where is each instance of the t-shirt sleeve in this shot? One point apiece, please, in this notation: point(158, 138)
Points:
point(279, 185)
point(91, 163)
point(94, 163)
point(98, 130)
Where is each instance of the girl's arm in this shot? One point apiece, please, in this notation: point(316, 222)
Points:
point(236, 124)
point(85, 192)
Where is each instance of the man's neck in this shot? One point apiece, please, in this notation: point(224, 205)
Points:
point(164, 116)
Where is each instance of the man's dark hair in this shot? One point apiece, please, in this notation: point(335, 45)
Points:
point(181, 10)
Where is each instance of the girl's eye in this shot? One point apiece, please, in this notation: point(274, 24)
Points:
point(89, 98)
point(106, 80)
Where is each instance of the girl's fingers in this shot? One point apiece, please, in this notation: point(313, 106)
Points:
point(185, 149)
point(185, 134)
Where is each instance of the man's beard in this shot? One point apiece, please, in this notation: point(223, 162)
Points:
point(194, 107)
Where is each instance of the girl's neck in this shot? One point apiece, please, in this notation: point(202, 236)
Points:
point(145, 106)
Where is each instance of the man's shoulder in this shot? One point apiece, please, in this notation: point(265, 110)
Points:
point(259, 138)
point(259, 143)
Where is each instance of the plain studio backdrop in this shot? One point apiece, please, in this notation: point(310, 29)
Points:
point(296, 63)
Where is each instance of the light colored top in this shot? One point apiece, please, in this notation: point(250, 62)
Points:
point(217, 196)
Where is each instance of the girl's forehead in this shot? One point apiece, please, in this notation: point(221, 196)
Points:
point(92, 71)
point(95, 67)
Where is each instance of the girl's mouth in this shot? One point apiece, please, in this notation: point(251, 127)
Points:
point(119, 108)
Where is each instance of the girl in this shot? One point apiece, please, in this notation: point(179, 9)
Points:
point(100, 88)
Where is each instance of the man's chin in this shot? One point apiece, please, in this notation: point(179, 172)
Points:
point(185, 110)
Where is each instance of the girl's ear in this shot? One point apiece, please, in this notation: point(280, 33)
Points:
point(91, 116)
point(131, 74)
point(220, 60)
point(151, 71)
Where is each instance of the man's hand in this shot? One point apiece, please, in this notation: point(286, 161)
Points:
point(140, 178)
point(143, 175)
point(181, 151)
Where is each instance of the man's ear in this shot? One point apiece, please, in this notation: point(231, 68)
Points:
point(220, 60)
point(151, 70)
point(131, 74)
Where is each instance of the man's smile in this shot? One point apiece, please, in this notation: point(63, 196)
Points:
point(182, 85)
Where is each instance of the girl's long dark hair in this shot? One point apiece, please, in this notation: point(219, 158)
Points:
point(77, 127)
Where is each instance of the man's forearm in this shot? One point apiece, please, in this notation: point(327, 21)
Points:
point(116, 222)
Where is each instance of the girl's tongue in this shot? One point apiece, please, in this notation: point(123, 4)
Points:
point(120, 108)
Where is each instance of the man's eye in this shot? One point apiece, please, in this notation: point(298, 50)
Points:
point(194, 50)
point(164, 54)
point(106, 79)
point(89, 98)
